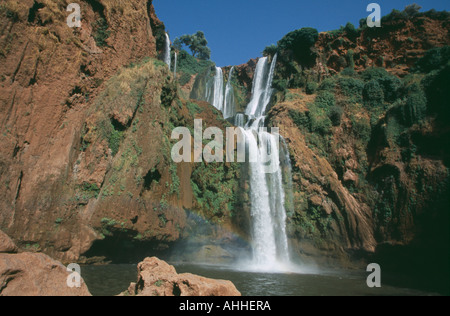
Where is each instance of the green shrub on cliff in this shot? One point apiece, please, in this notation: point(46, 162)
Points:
point(328, 84)
point(213, 186)
point(100, 32)
point(352, 88)
point(361, 128)
point(325, 99)
point(319, 121)
point(415, 108)
point(311, 87)
point(188, 64)
point(373, 94)
point(436, 86)
point(434, 59)
point(335, 115)
point(300, 119)
point(351, 32)
point(300, 43)
point(389, 83)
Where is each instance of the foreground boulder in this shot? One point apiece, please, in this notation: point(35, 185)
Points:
point(6, 244)
point(33, 274)
point(158, 278)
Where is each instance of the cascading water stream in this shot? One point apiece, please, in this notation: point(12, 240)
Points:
point(229, 106)
point(175, 66)
point(267, 190)
point(267, 160)
point(218, 89)
point(258, 89)
point(167, 51)
point(239, 120)
point(214, 92)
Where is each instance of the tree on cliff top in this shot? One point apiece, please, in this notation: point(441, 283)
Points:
point(300, 42)
point(197, 43)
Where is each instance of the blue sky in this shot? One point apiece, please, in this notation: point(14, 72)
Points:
point(238, 30)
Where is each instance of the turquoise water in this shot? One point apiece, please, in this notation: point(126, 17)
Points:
point(113, 279)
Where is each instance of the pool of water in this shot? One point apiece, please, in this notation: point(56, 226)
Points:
point(113, 279)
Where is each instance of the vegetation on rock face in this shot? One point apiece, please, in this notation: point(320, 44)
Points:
point(188, 66)
point(101, 33)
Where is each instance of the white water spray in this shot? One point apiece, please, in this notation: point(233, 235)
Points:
point(167, 51)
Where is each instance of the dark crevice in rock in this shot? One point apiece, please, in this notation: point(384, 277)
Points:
point(100, 26)
point(20, 63)
point(176, 290)
point(122, 247)
point(33, 11)
point(19, 185)
point(118, 126)
point(97, 7)
point(16, 151)
point(152, 176)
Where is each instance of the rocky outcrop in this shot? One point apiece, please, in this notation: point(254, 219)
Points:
point(157, 278)
point(33, 274)
point(6, 244)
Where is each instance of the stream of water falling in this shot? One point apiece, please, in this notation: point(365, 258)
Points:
point(167, 51)
point(270, 251)
point(175, 66)
point(267, 191)
point(229, 106)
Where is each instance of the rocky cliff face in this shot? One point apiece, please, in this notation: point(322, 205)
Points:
point(396, 46)
point(50, 100)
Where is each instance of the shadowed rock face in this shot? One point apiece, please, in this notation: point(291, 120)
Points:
point(33, 274)
point(157, 278)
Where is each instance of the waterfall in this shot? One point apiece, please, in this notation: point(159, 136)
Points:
point(167, 51)
point(218, 89)
point(175, 66)
point(267, 189)
point(229, 106)
point(214, 93)
point(263, 233)
point(268, 91)
point(239, 120)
